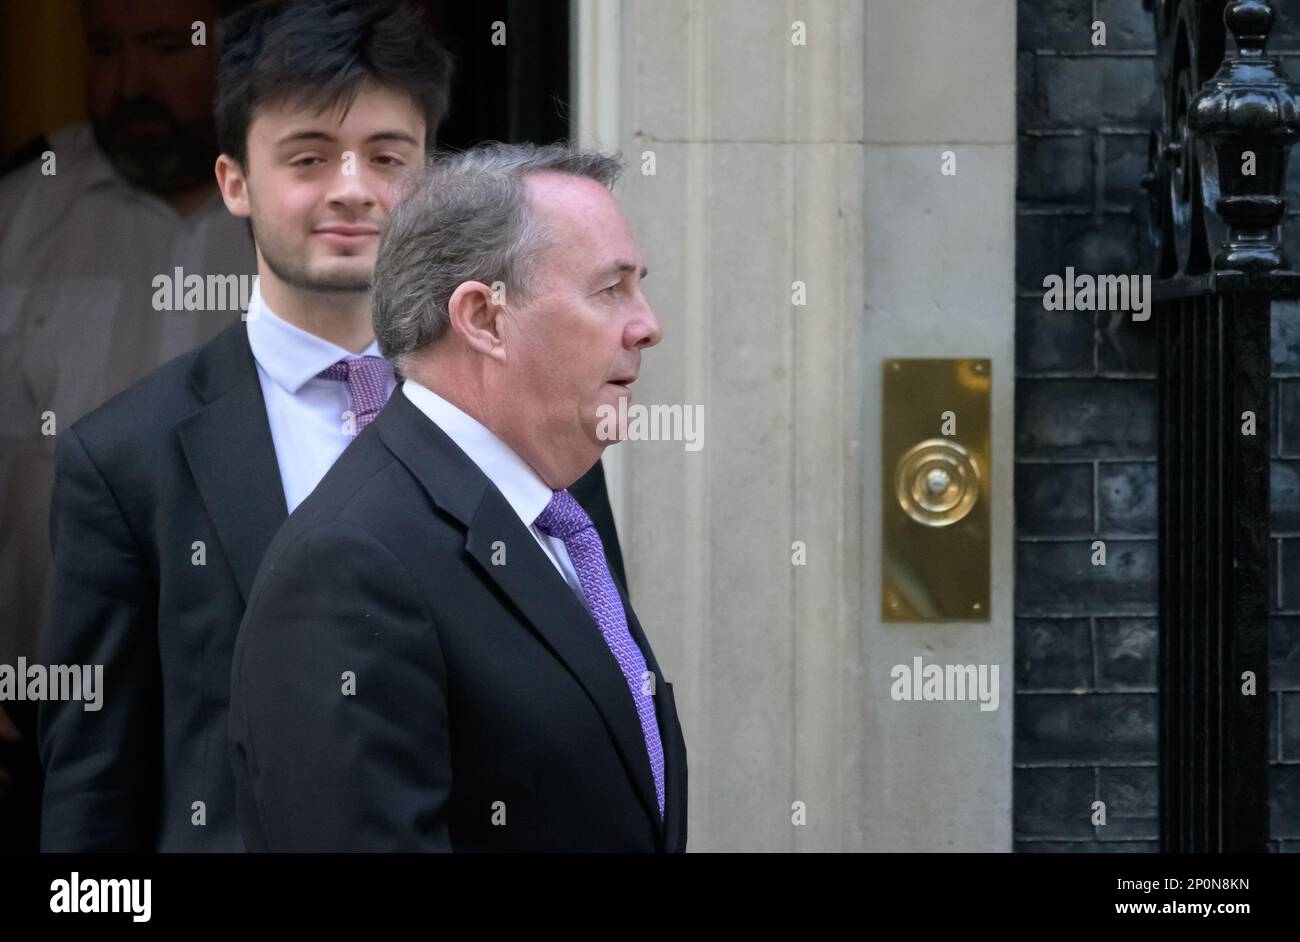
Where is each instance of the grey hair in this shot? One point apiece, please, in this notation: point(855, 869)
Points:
point(465, 217)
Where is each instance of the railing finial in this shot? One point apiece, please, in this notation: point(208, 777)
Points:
point(1250, 22)
point(1245, 120)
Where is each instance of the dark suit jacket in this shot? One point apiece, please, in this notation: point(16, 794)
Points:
point(183, 457)
point(479, 688)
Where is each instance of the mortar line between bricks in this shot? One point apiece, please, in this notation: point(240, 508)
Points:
point(1110, 130)
point(1096, 342)
point(1081, 764)
point(1275, 440)
point(1025, 294)
point(1087, 840)
point(1098, 174)
point(1091, 54)
point(1088, 461)
point(1088, 537)
point(1145, 613)
point(1058, 132)
point(1067, 461)
point(1277, 725)
point(1081, 692)
point(1277, 588)
point(1073, 211)
point(1074, 617)
point(1096, 499)
point(1092, 643)
point(1096, 796)
point(1113, 130)
point(1080, 458)
point(1072, 375)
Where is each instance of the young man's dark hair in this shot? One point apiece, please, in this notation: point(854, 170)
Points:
point(317, 53)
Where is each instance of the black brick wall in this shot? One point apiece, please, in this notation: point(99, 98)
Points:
point(1085, 649)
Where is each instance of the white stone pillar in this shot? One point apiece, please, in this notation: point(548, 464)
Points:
point(818, 163)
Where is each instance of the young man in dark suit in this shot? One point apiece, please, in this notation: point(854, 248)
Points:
point(435, 655)
point(166, 498)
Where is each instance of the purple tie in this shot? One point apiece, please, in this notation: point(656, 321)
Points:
point(367, 379)
point(565, 520)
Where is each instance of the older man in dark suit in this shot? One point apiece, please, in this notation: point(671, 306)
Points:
point(435, 654)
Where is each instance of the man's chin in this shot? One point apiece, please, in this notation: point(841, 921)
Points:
point(153, 156)
point(337, 278)
point(606, 431)
point(153, 169)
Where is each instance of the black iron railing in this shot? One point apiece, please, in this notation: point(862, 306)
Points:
point(1218, 169)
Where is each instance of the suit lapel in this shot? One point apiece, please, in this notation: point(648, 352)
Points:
point(528, 579)
point(231, 454)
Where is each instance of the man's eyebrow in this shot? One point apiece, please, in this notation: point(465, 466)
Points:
point(622, 268)
point(399, 136)
point(306, 134)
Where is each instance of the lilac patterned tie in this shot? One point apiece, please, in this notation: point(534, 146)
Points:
point(565, 520)
point(367, 379)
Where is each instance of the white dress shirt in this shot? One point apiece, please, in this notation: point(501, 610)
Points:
point(306, 413)
point(524, 491)
point(79, 250)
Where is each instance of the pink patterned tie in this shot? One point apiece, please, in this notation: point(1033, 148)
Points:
point(565, 520)
point(367, 379)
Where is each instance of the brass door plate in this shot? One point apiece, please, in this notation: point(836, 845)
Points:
point(935, 486)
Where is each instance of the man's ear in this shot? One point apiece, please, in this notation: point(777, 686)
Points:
point(234, 186)
point(477, 319)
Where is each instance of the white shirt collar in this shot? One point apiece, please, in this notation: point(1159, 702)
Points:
point(290, 355)
point(98, 169)
point(518, 483)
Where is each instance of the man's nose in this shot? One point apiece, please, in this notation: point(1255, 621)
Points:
point(134, 79)
point(353, 188)
point(645, 330)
